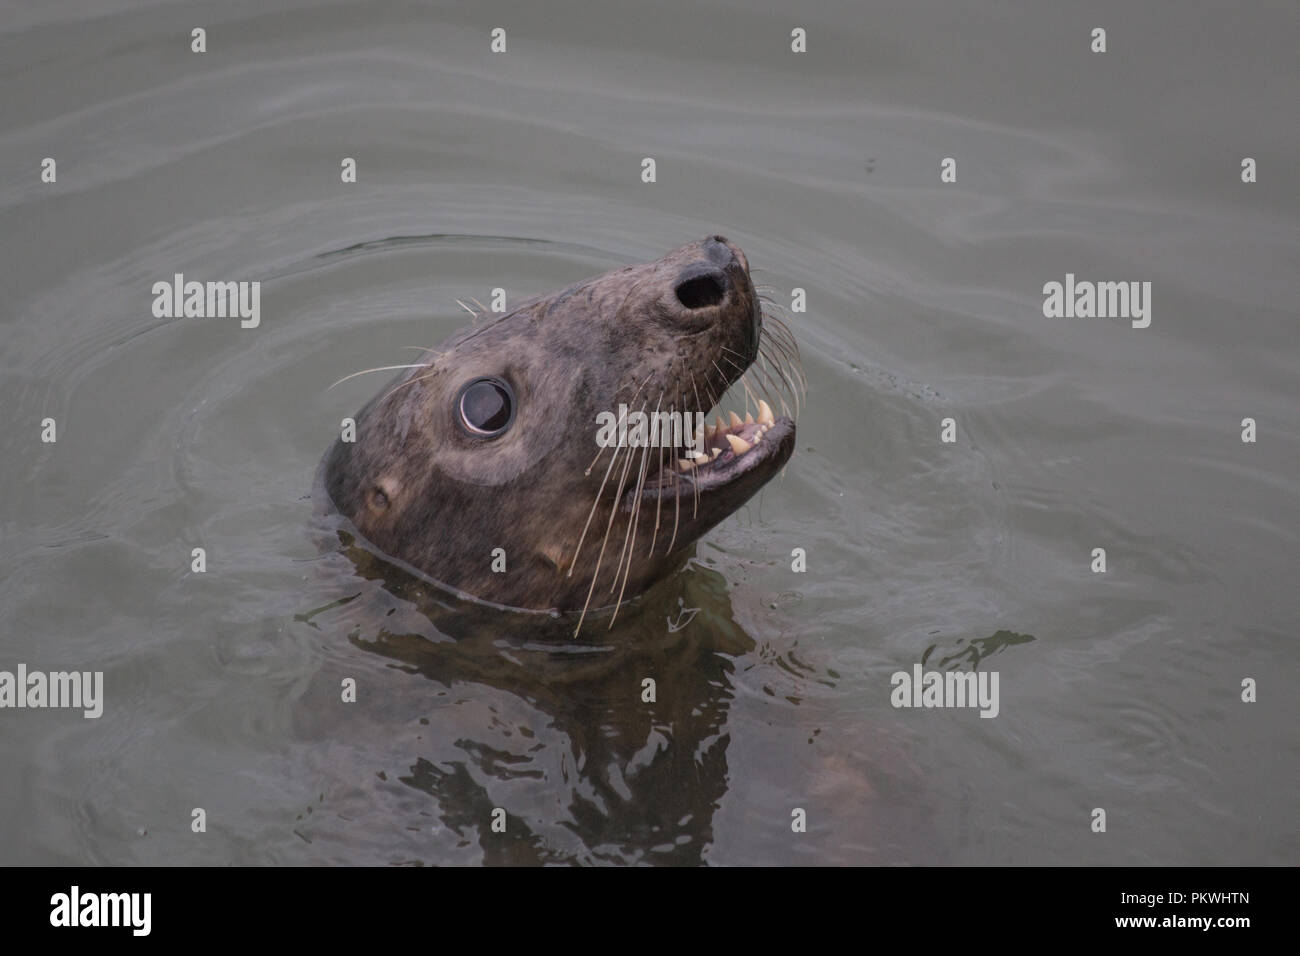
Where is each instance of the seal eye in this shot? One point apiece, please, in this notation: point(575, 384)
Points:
point(486, 407)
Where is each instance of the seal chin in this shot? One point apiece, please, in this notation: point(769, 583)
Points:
point(735, 459)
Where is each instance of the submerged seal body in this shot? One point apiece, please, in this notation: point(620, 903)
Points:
point(495, 441)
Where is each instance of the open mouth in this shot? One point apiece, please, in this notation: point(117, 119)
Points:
point(750, 355)
point(724, 453)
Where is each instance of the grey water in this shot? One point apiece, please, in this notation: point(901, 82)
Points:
point(1120, 690)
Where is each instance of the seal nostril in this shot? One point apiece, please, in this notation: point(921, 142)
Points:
point(700, 292)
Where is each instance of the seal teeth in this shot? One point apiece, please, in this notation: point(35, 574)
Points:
point(735, 419)
point(749, 419)
point(685, 464)
point(721, 426)
point(765, 416)
point(738, 445)
point(716, 453)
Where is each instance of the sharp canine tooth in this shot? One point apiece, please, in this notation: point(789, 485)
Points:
point(765, 415)
point(735, 419)
point(738, 445)
point(749, 419)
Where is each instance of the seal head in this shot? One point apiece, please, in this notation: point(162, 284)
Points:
point(522, 434)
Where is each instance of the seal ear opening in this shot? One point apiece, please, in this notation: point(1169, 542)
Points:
point(701, 291)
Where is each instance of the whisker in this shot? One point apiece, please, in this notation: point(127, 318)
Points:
point(739, 381)
point(587, 473)
point(636, 512)
point(595, 502)
point(780, 332)
point(654, 535)
point(603, 448)
point(618, 602)
point(784, 350)
point(779, 336)
point(381, 368)
point(415, 380)
point(795, 379)
point(782, 339)
point(695, 489)
point(677, 510)
point(776, 391)
point(775, 314)
point(779, 369)
point(630, 540)
point(733, 363)
point(600, 558)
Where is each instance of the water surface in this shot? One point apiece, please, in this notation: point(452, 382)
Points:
point(1118, 690)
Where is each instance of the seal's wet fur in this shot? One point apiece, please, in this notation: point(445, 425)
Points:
point(580, 526)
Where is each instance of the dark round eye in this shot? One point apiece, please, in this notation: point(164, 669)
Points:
point(486, 407)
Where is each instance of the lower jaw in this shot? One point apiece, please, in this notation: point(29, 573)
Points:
point(716, 489)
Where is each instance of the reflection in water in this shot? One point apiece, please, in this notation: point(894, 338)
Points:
point(599, 770)
point(562, 734)
point(972, 652)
